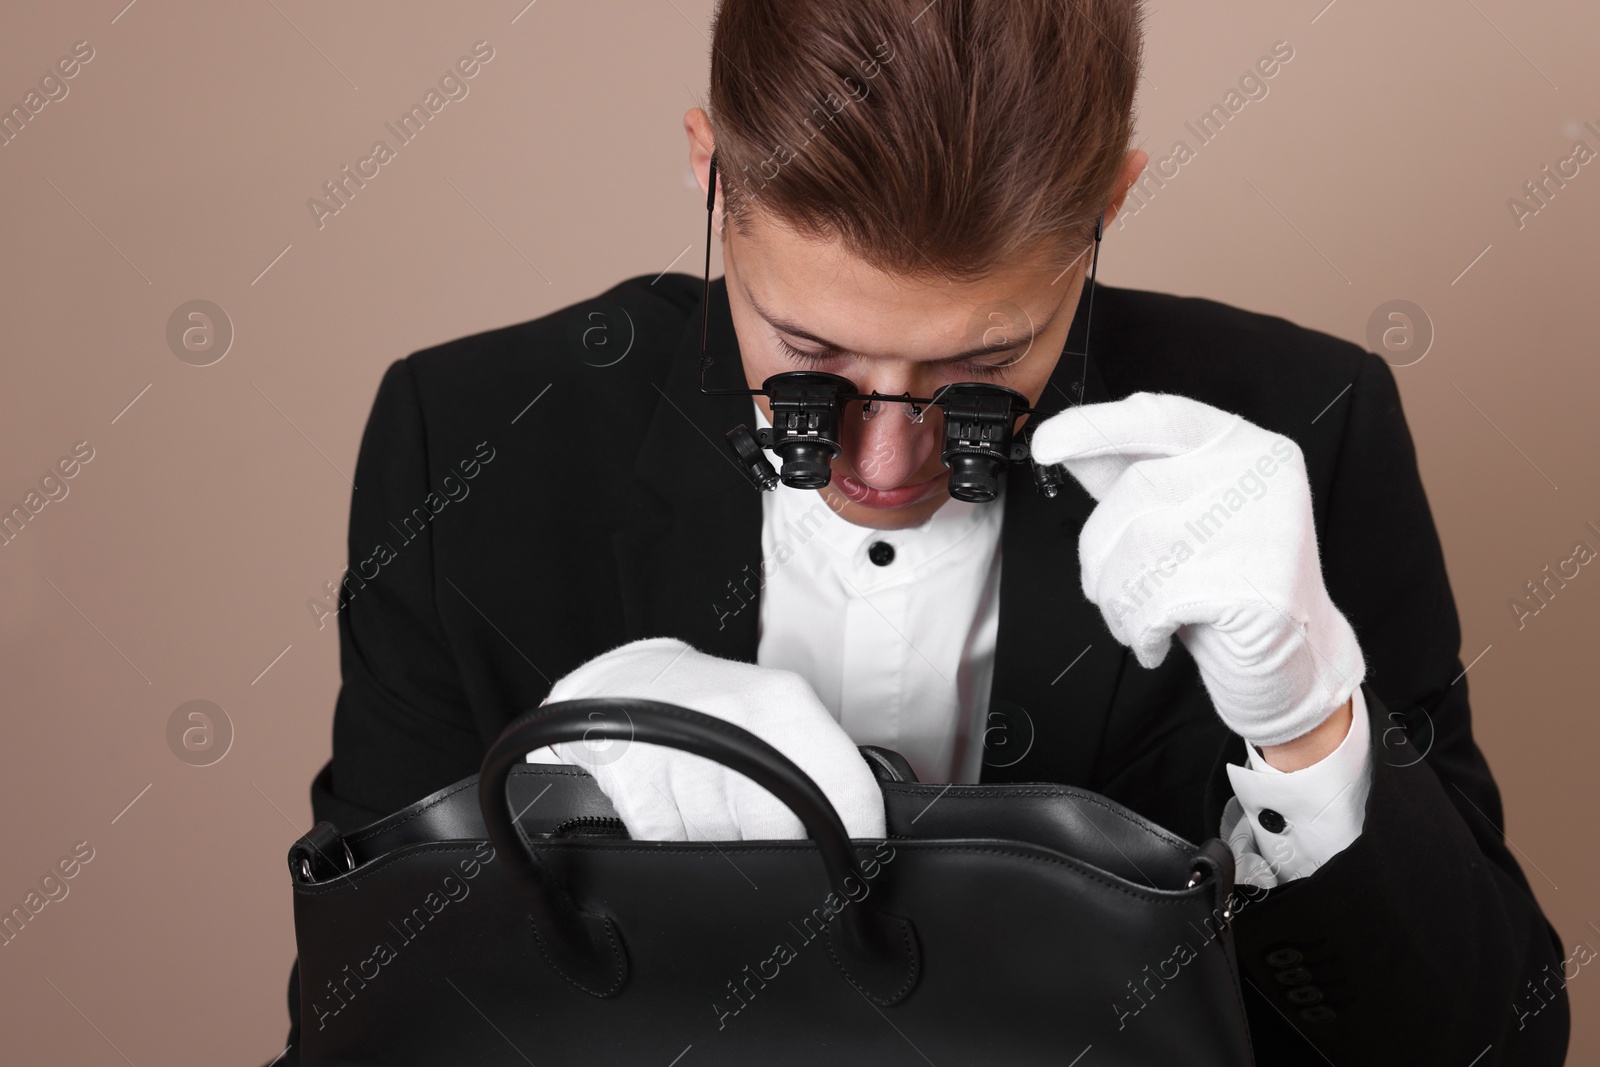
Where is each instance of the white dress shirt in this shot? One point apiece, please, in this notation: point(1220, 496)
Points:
point(902, 653)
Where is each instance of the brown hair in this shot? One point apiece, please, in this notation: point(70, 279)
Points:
point(938, 138)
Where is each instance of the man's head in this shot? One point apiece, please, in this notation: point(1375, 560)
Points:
point(913, 190)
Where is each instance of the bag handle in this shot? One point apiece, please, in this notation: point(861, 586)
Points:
point(876, 951)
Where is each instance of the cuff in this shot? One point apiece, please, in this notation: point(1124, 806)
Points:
point(1285, 824)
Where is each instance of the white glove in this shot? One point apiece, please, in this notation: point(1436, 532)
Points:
point(663, 794)
point(1204, 528)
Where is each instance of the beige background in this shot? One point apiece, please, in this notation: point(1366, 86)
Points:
point(178, 167)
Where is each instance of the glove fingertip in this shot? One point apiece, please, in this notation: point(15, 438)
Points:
point(1152, 653)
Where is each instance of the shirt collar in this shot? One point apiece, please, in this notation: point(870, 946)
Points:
point(914, 546)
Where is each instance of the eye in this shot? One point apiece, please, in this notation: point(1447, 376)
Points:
point(966, 370)
point(810, 359)
point(977, 368)
point(982, 370)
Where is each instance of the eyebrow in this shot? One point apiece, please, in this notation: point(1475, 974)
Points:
point(790, 327)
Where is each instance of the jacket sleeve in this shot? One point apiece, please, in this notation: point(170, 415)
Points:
point(401, 728)
point(1421, 942)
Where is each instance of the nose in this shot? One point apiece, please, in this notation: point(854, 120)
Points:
point(888, 449)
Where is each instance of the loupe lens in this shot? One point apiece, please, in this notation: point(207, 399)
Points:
point(805, 464)
point(974, 477)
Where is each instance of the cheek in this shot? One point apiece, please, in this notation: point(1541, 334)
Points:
point(758, 359)
point(1033, 382)
point(759, 365)
point(1032, 375)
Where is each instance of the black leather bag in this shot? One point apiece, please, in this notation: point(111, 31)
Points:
point(509, 919)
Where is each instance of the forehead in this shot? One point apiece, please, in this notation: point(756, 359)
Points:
point(819, 285)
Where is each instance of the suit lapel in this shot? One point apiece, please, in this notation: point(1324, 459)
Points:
point(1056, 664)
point(690, 565)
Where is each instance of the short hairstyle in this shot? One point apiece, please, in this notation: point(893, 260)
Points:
point(935, 139)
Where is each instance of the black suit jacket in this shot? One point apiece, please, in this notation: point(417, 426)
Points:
point(528, 499)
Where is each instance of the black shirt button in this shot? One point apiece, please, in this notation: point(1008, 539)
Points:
point(1284, 957)
point(881, 553)
point(1317, 1014)
point(1305, 994)
point(1271, 821)
point(1294, 976)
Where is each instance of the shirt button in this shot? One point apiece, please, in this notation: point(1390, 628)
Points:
point(1284, 957)
point(881, 553)
point(1271, 821)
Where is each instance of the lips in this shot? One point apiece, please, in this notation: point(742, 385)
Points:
point(899, 497)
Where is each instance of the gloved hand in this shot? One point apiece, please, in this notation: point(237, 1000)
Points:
point(663, 794)
point(1204, 528)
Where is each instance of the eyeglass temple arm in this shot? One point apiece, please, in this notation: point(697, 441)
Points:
point(705, 297)
point(1094, 266)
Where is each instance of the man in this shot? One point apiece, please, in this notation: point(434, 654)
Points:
point(908, 197)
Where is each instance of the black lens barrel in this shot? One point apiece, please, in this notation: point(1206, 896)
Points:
point(977, 437)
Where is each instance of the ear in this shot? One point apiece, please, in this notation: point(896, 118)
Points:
point(1132, 167)
point(697, 127)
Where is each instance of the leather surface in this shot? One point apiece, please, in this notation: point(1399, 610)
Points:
point(1076, 822)
point(1049, 921)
